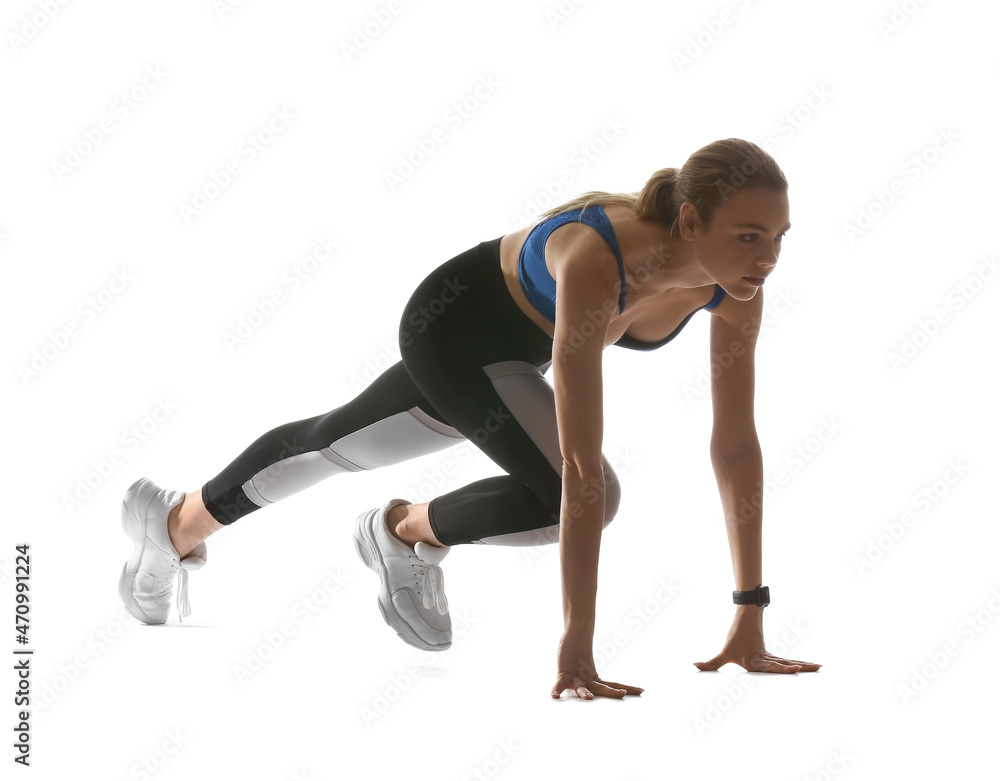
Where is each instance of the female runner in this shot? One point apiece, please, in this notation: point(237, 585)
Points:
point(476, 337)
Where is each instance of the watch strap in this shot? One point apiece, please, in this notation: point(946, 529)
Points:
point(758, 596)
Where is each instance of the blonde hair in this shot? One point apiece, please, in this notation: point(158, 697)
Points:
point(707, 179)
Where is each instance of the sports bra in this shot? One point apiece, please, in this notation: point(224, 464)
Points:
point(540, 288)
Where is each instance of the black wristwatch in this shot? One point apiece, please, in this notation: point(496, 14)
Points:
point(759, 596)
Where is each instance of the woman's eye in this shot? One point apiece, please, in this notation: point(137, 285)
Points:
point(753, 236)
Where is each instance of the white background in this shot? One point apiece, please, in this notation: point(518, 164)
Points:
point(866, 577)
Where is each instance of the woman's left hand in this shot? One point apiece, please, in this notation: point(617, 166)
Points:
point(745, 646)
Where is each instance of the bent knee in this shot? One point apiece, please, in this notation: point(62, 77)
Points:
point(612, 492)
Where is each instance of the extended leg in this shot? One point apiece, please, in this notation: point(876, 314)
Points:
point(387, 423)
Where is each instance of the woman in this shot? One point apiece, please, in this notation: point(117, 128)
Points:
point(475, 338)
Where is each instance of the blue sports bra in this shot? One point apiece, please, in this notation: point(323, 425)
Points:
point(540, 288)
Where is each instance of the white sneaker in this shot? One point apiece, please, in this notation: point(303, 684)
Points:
point(411, 598)
point(147, 578)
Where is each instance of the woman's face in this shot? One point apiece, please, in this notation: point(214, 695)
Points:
point(743, 240)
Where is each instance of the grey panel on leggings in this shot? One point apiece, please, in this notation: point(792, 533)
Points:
point(391, 440)
point(293, 474)
point(531, 400)
point(526, 539)
point(396, 438)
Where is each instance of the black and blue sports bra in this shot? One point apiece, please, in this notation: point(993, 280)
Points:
point(540, 288)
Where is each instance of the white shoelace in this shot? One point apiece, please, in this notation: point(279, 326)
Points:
point(432, 586)
point(182, 603)
point(183, 606)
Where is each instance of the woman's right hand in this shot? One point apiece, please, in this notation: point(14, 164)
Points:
point(576, 670)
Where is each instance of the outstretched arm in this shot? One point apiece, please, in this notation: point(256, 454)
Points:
point(739, 472)
point(583, 283)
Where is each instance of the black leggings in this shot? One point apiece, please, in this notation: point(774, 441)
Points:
point(472, 368)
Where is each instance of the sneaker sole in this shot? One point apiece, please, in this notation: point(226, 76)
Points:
point(135, 527)
point(364, 544)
